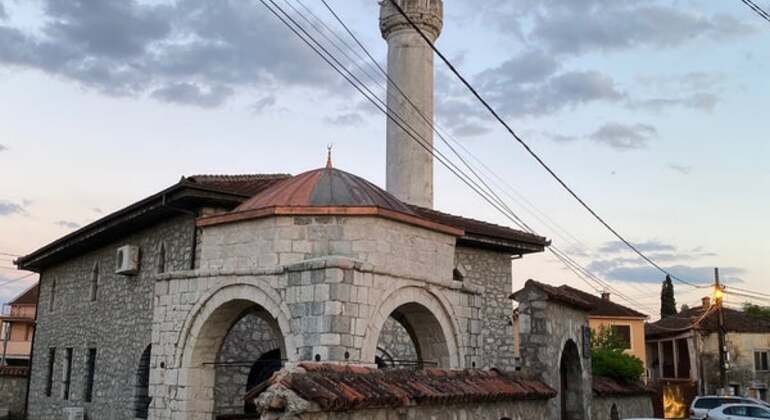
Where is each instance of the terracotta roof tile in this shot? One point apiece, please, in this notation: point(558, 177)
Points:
point(339, 388)
point(602, 307)
point(735, 321)
point(557, 294)
point(28, 297)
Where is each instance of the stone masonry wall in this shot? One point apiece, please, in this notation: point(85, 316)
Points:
point(518, 410)
point(247, 341)
point(395, 340)
point(627, 407)
point(13, 389)
point(742, 372)
point(118, 323)
point(545, 327)
point(490, 271)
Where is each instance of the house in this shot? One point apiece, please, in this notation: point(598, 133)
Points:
point(18, 327)
point(604, 313)
point(684, 355)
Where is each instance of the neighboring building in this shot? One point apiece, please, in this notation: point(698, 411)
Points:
point(17, 327)
point(683, 355)
point(626, 322)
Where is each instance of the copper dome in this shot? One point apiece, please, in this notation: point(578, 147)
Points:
point(325, 187)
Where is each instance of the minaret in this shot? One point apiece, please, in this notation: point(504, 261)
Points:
point(410, 66)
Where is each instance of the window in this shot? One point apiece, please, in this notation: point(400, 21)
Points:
point(162, 259)
point(759, 413)
point(49, 377)
point(761, 360)
point(623, 332)
point(88, 392)
point(457, 275)
point(28, 333)
point(52, 298)
point(94, 282)
point(737, 410)
point(67, 373)
point(683, 359)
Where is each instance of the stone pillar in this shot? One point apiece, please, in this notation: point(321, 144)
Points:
point(410, 67)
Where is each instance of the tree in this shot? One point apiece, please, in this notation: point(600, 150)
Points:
point(667, 300)
point(608, 358)
point(756, 310)
point(684, 307)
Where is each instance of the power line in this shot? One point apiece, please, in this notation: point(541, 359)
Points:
point(7, 254)
point(758, 10)
point(496, 202)
point(26, 276)
point(530, 151)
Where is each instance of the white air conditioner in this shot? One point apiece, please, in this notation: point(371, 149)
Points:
point(74, 413)
point(127, 260)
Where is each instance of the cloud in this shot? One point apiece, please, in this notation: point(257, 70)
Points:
point(696, 274)
point(194, 52)
point(682, 169)
point(97, 210)
point(3, 13)
point(569, 27)
point(700, 101)
point(192, 94)
point(3, 148)
point(8, 208)
point(625, 137)
point(263, 104)
point(67, 224)
point(345, 120)
point(614, 247)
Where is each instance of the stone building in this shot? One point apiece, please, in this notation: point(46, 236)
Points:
point(684, 355)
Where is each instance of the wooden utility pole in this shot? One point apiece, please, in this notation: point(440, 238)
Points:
point(721, 333)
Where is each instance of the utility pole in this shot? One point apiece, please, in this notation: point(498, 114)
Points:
point(718, 295)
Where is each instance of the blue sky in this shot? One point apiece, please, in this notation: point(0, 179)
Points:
point(654, 111)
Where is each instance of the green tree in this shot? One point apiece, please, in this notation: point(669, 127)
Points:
point(756, 310)
point(608, 358)
point(667, 300)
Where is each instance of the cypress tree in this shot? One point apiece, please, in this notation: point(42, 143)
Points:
point(667, 300)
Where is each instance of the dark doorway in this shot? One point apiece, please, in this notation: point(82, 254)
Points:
point(142, 386)
point(571, 383)
point(261, 371)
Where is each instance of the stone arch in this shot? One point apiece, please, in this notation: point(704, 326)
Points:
point(428, 320)
point(205, 331)
point(571, 390)
point(142, 385)
point(614, 414)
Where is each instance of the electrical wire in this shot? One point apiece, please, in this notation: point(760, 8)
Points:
point(758, 10)
point(7, 282)
point(529, 150)
point(340, 68)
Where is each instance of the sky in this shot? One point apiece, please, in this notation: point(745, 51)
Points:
point(653, 111)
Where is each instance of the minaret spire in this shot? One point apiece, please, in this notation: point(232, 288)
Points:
point(329, 156)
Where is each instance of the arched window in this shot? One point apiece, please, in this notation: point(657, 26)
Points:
point(614, 414)
point(142, 386)
point(162, 259)
point(94, 282)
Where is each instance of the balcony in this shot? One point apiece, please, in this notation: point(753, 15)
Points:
point(17, 349)
point(18, 313)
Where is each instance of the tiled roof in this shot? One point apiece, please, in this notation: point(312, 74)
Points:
point(602, 307)
point(735, 321)
point(28, 297)
point(608, 387)
point(246, 185)
point(478, 227)
point(557, 294)
point(340, 388)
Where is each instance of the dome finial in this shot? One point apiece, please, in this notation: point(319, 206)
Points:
point(329, 156)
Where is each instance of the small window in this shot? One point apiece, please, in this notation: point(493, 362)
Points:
point(67, 376)
point(162, 259)
point(457, 275)
point(708, 403)
point(623, 332)
point(759, 413)
point(94, 282)
point(88, 392)
point(737, 410)
point(52, 298)
point(49, 375)
point(761, 360)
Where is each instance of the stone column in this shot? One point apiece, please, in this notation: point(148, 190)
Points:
point(410, 67)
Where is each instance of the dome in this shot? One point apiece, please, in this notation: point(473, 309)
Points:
point(325, 187)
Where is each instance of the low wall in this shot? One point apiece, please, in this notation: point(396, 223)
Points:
point(625, 406)
point(13, 390)
point(517, 410)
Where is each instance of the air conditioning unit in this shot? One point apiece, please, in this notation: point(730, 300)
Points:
point(74, 413)
point(127, 260)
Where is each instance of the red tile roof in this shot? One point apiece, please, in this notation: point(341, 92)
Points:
point(340, 388)
point(735, 321)
point(602, 307)
point(28, 297)
point(557, 294)
point(608, 387)
point(246, 185)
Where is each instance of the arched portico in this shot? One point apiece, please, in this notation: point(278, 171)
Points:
point(428, 321)
point(205, 332)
